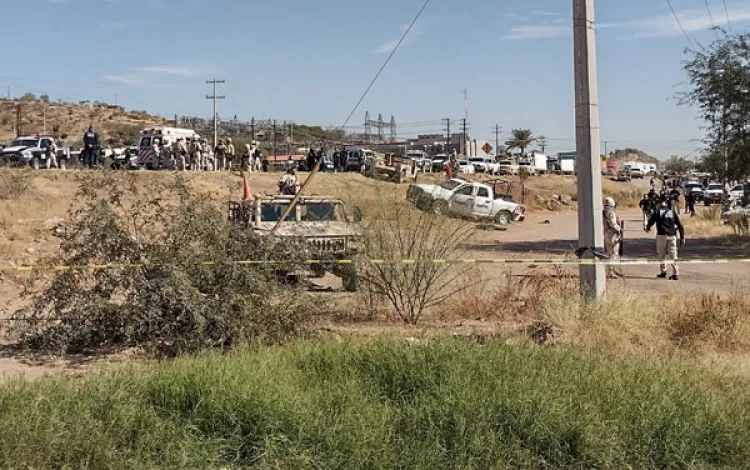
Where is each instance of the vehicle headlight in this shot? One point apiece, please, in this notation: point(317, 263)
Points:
point(26, 153)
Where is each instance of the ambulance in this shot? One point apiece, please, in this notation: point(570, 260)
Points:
point(156, 135)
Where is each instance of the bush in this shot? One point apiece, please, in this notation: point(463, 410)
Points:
point(395, 233)
point(163, 299)
point(450, 404)
point(14, 183)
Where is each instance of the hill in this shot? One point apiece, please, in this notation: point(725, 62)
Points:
point(68, 121)
point(632, 155)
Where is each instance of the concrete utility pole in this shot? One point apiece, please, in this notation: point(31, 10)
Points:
point(274, 139)
point(215, 97)
point(497, 138)
point(590, 228)
point(252, 128)
point(466, 143)
point(448, 134)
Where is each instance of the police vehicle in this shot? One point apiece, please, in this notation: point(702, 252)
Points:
point(155, 136)
point(32, 150)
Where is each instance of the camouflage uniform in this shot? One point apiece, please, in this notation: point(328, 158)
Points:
point(229, 155)
point(52, 155)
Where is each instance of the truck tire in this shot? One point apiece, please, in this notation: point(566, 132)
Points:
point(350, 282)
point(503, 218)
point(440, 207)
point(35, 163)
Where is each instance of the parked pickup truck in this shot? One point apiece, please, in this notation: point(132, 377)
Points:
point(714, 194)
point(478, 200)
point(32, 150)
point(434, 196)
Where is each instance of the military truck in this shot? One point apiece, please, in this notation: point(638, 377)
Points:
point(318, 226)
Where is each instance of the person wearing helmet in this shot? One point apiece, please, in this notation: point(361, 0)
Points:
point(612, 232)
point(229, 155)
point(668, 225)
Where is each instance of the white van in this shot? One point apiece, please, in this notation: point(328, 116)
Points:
point(157, 135)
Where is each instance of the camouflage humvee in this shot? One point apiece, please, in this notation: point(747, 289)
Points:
point(318, 225)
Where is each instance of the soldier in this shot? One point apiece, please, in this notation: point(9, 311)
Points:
point(196, 153)
point(156, 152)
point(180, 153)
point(229, 155)
point(258, 159)
point(220, 152)
point(289, 183)
point(612, 233)
point(52, 155)
point(668, 225)
point(90, 148)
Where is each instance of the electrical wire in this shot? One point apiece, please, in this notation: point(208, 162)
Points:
point(710, 16)
point(679, 23)
point(385, 64)
point(726, 12)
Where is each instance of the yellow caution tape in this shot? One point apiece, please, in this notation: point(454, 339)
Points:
point(509, 261)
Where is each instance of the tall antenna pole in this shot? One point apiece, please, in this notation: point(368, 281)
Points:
point(590, 228)
point(215, 97)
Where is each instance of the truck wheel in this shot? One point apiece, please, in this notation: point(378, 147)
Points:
point(350, 282)
point(35, 163)
point(503, 218)
point(440, 208)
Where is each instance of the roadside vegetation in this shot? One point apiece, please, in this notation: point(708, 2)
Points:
point(448, 403)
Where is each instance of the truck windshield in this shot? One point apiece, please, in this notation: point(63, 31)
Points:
point(321, 211)
point(273, 213)
point(24, 143)
point(450, 185)
point(715, 187)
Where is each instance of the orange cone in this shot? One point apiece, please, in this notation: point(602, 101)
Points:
point(246, 188)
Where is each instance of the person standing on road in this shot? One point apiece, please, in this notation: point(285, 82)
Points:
point(668, 225)
point(612, 233)
point(645, 206)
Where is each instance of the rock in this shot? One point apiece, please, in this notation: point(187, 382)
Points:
point(565, 200)
point(53, 223)
point(30, 250)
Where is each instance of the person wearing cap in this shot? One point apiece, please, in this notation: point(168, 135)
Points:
point(196, 151)
point(612, 232)
point(289, 183)
point(668, 225)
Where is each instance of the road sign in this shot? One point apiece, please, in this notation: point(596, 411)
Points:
point(487, 148)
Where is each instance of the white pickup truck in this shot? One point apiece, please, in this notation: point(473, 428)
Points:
point(461, 198)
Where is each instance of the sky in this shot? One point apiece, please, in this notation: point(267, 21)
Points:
point(308, 61)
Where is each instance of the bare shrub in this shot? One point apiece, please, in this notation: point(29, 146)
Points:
point(711, 320)
point(394, 233)
point(740, 224)
point(14, 183)
point(164, 299)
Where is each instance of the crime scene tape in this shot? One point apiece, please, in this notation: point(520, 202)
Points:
point(509, 261)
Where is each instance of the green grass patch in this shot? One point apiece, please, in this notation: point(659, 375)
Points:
point(386, 404)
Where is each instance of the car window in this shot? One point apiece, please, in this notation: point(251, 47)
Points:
point(44, 143)
point(316, 212)
point(467, 191)
point(450, 185)
point(483, 192)
point(714, 187)
point(273, 212)
point(738, 188)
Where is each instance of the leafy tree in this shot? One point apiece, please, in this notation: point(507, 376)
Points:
point(679, 166)
point(719, 76)
point(28, 97)
point(520, 139)
point(44, 98)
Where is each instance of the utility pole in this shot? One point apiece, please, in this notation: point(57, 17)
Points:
point(252, 128)
point(447, 134)
point(19, 130)
point(497, 139)
point(215, 97)
point(274, 139)
point(465, 143)
point(44, 119)
point(590, 228)
point(291, 134)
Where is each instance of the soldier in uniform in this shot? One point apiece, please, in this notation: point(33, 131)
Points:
point(91, 146)
point(612, 233)
point(180, 152)
point(52, 155)
point(289, 183)
point(220, 152)
point(229, 155)
point(258, 161)
point(196, 154)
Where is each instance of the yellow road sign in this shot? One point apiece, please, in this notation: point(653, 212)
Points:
point(487, 148)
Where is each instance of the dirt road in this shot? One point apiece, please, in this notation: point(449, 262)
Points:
point(559, 238)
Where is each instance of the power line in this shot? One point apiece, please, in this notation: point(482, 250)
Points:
point(726, 12)
point(710, 16)
point(385, 64)
point(679, 23)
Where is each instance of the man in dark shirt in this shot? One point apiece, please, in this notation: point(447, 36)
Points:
point(91, 147)
point(668, 225)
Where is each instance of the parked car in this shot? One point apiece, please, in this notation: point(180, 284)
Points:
point(637, 173)
point(740, 193)
point(480, 164)
point(478, 200)
point(32, 150)
point(713, 194)
point(434, 196)
point(507, 167)
point(528, 167)
point(465, 167)
point(438, 163)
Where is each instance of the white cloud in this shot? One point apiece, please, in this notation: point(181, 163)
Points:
point(538, 32)
point(388, 46)
point(123, 80)
point(544, 13)
point(693, 21)
point(516, 17)
point(178, 70)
